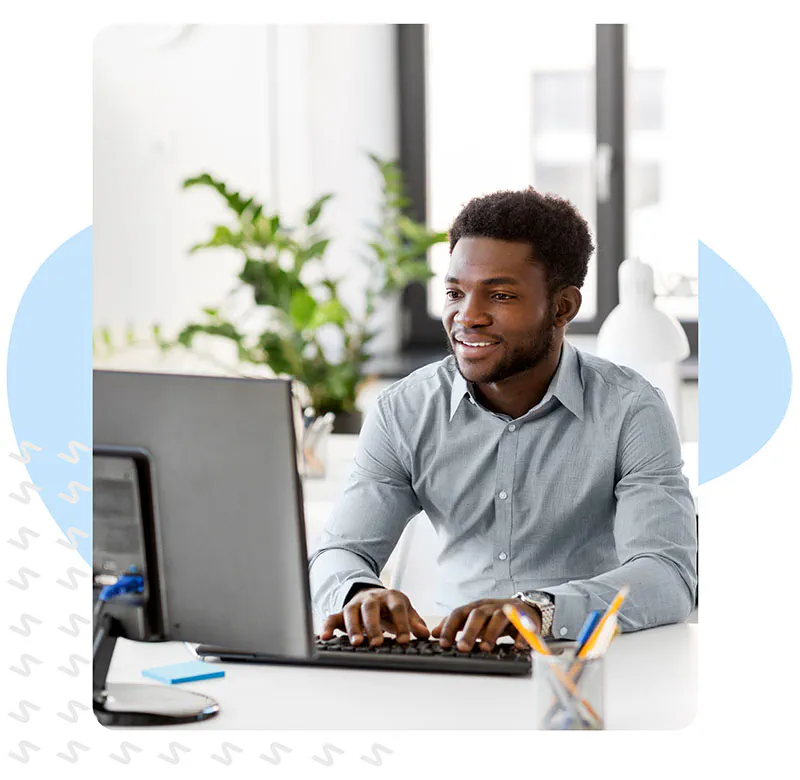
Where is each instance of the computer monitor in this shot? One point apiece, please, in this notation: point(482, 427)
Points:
point(227, 498)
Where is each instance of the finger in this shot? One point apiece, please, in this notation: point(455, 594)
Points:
point(371, 619)
point(331, 624)
point(473, 628)
point(352, 620)
point(398, 607)
point(418, 624)
point(452, 625)
point(437, 629)
point(497, 626)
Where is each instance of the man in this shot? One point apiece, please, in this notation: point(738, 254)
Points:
point(552, 477)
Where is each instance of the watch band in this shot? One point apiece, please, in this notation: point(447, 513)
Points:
point(544, 603)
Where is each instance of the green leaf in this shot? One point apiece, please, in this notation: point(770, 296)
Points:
point(234, 200)
point(313, 211)
point(302, 308)
point(275, 351)
point(331, 311)
point(222, 329)
point(272, 285)
point(223, 236)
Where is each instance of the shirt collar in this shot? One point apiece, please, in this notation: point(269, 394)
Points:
point(566, 385)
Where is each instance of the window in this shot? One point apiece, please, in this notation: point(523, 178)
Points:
point(496, 107)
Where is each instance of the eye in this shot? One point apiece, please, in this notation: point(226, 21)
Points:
point(450, 297)
point(504, 297)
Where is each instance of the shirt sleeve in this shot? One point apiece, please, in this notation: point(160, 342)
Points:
point(655, 529)
point(367, 521)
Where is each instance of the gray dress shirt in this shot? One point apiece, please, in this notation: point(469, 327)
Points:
point(582, 494)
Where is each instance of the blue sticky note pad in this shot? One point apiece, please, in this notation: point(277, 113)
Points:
point(191, 671)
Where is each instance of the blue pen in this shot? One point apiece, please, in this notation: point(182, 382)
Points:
point(589, 625)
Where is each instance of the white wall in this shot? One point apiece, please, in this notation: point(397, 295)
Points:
point(286, 113)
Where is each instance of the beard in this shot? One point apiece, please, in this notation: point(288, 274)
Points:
point(533, 351)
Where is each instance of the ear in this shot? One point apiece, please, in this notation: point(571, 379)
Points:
point(568, 302)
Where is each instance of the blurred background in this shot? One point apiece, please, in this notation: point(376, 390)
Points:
point(401, 125)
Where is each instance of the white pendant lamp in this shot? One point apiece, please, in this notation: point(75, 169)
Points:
point(638, 335)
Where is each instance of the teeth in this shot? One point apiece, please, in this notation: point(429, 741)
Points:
point(476, 344)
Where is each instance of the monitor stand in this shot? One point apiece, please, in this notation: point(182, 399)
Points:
point(135, 704)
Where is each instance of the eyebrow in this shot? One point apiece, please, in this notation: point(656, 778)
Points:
point(487, 282)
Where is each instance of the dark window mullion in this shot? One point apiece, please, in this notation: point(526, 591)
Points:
point(609, 133)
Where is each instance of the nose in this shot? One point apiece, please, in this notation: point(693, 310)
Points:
point(470, 312)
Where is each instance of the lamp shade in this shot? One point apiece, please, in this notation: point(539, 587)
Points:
point(638, 335)
point(635, 331)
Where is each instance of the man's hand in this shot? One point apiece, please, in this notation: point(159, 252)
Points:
point(375, 610)
point(485, 619)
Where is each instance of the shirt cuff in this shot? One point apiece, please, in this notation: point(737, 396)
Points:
point(570, 612)
point(346, 586)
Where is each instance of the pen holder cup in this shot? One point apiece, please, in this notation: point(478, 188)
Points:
point(568, 692)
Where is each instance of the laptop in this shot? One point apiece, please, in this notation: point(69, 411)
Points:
point(227, 509)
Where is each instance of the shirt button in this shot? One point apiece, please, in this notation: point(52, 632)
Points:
point(502, 556)
point(512, 428)
point(563, 631)
point(503, 494)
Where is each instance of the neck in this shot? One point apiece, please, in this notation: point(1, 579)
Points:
point(520, 393)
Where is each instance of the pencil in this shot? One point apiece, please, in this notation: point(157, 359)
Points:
point(522, 624)
point(612, 610)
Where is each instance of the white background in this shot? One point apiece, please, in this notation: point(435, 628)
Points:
point(741, 169)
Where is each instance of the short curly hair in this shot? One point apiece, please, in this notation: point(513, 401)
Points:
point(559, 236)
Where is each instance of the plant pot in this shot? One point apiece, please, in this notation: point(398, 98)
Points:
point(348, 422)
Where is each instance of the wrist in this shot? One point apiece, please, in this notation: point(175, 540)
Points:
point(544, 605)
point(358, 587)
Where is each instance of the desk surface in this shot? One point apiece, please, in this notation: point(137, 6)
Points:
point(651, 683)
point(651, 676)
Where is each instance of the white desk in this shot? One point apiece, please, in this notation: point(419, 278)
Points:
point(651, 676)
point(651, 683)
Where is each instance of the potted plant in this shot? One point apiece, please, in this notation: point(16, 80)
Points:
point(283, 269)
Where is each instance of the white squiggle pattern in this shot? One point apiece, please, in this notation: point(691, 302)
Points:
point(125, 749)
point(25, 660)
point(24, 574)
point(23, 543)
point(25, 456)
point(275, 758)
point(27, 621)
point(328, 750)
point(24, 496)
point(72, 532)
point(226, 757)
point(74, 620)
point(73, 457)
point(73, 487)
point(24, 755)
point(72, 573)
point(25, 708)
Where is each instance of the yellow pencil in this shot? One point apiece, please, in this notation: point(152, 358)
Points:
point(530, 636)
point(612, 610)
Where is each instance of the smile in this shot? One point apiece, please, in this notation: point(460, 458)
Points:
point(475, 348)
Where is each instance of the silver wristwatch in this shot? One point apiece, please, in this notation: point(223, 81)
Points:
point(544, 603)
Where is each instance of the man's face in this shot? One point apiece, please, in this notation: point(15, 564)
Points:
point(495, 294)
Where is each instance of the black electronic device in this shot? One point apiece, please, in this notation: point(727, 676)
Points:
point(127, 590)
point(230, 525)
